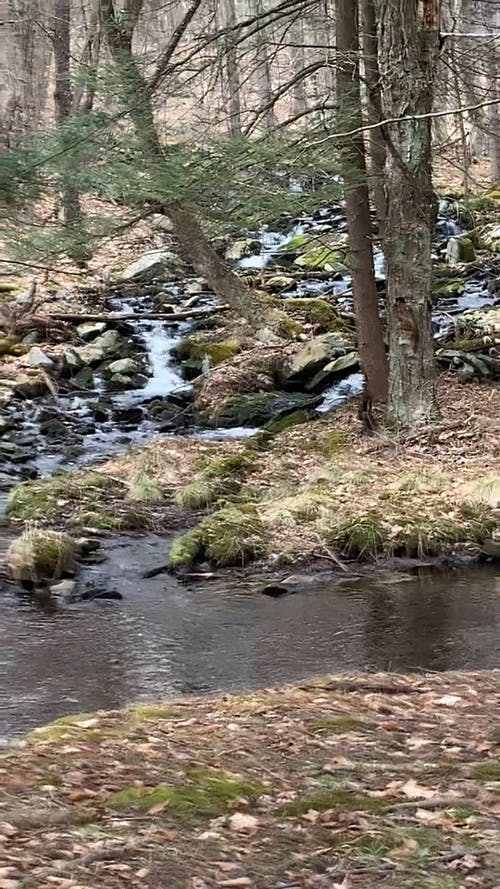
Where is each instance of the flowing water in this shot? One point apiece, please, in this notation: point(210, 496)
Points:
point(167, 638)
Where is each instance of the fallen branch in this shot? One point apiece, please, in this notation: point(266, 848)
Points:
point(115, 318)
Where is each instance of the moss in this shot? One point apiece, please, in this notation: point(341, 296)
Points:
point(216, 480)
point(145, 712)
point(206, 793)
point(288, 328)
point(334, 725)
point(38, 500)
point(315, 311)
point(186, 549)
point(274, 427)
point(361, 538)
point(193, 349)
point(101, 519)
point(331, 442)
point(231, 536)
point(336, 800)
point(10, 345)
point(489, 770)
point(447, 286)
point(40, 556)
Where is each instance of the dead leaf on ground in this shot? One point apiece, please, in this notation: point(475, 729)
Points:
point(241, 823)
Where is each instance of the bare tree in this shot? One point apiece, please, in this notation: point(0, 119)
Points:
point(369, 329)
point(63, 97)
point(374, 105)
point(263, 71)
point(231, 64)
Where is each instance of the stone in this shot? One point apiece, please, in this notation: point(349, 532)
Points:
point(71, 360)
point(162, 223)
point(460, 250)
point(33, 336)
point(194, 287)
point(307, 360)
point(30, 387)
point(338, 367)
point(242, 247)
point(123, 366)
point(280, 282)
point(489, 237)
point(36, 357)
point(151, 265)
point(84, 379)
point(90, 329)
point(64, 590)
point(107, 345)
point(120, 381)
point(5, 425)
point(255, 410)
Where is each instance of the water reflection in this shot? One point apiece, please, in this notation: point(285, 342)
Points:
point(165, 638)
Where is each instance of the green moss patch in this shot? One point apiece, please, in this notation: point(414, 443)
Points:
point(314, 311)
point(335, 725)
point(230, 536)
point(206, 793)
point(335, 800)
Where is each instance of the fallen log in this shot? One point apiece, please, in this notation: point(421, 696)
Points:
point(116, 318)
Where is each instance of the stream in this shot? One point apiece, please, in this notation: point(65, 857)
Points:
point(166, 637)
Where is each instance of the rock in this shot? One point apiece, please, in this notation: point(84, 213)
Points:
point(151, 265)
point(491, 549)
point(129, 417)
point(162, 223)
point(30, 387)
point(100, 410)
point(489, 237)
point(107, 345)
point(335, 368)
point(71, 360)
point(123, 366)
point(243, 247)
point(33, 336)
point(84, 379)
point(64, 590)
point(194, 287)
point(90, 329)
point(120, 381)
point(255, 410)
point(460, 249)
point(36, 357)
point(307, 360)
point(280, 282)
point(53, 429)
point(5, 425)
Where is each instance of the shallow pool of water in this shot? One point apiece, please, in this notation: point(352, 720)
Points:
point(167, 638)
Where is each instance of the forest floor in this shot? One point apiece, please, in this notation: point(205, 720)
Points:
point(354, 781)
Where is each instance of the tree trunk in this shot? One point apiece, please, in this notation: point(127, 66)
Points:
point(263, 72)
point(298, 63)
point(258, 309)
point(376, 137)
point(63, 99)
point(371, 346)
point(408, 56)
point(494, 110)
point(232, 72)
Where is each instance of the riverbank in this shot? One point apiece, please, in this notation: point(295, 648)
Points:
point(345, 781)
point(319, 493)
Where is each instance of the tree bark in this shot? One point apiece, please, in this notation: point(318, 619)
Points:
point(371, 346)
point(263, 72)
point(232, 72)
point(408, 56)
point(63, 98)
point(376, 138)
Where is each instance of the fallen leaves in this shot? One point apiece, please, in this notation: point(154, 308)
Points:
point(242, 823)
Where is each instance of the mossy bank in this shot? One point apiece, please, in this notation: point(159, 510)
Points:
point(318, 491)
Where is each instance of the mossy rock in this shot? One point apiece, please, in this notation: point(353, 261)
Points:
point(256, 410)
point(231, 536)
point(323, 258)
point(316, 312)
point(193, 350)
point(41, 556)
point(10, 345)
point(447, 286)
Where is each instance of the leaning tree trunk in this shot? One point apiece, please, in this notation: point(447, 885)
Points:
point(408, 56)
point(63, 98)
point(369, 329)
point(258, 309)
point(372, 82)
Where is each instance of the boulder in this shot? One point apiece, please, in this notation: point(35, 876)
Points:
point(255, 410)
point(108, 345)
point(336, 368)
point(460, 250)
point(489, 237)
point(243, 247)
point(90, 329)
point(30, 387)
point(123, 366)
point(151, 265)
point(306, 361)
point(36, 357)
